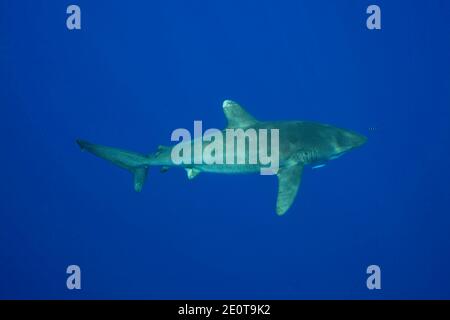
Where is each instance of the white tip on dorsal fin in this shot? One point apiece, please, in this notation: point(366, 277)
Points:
point(236, 115)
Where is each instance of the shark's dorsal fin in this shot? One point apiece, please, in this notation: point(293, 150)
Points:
point(161, 149)
point(289, 179)
point(236, 115)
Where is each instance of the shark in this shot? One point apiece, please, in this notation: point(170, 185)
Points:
point(301, 144)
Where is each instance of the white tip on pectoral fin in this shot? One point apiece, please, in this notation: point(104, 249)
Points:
point(289, 179)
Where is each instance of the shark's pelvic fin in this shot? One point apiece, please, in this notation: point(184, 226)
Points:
point(192, 173)
point(289, 179)
point(236, 115)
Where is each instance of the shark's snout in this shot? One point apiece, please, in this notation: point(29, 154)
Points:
point(348, 140)
point(359, 140)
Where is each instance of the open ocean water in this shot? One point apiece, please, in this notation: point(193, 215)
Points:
point(137, 70)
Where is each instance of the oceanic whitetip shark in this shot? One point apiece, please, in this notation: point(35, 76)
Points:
point(301, 143)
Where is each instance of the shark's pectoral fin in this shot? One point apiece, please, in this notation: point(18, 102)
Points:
point(289, 179)
point(192, 173)
point(236, 115)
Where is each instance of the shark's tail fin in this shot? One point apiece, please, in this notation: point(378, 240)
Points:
point(134, 162)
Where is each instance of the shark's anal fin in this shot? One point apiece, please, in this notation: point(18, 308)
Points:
point(192, 173)
point(236, 115)
point(164, 169)
point(289, 179)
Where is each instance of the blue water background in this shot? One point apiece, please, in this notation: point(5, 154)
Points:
point(139, 69)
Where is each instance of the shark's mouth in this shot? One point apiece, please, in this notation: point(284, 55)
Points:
point(338, 155)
